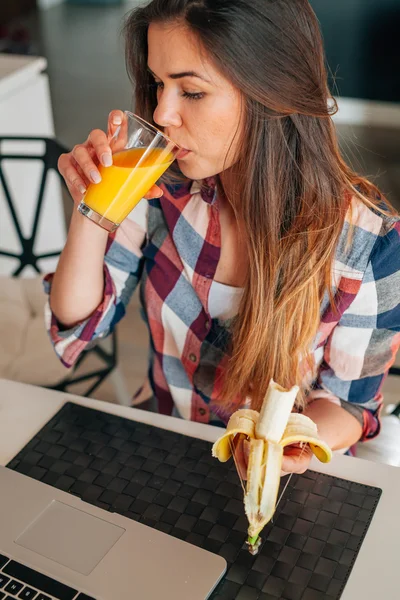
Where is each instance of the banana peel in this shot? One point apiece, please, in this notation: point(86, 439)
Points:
point(268, 432)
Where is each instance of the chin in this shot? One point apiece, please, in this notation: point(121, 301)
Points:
point(195, 172)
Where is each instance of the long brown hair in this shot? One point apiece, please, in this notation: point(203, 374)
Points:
point(289, 188)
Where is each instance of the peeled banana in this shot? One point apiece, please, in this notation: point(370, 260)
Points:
point(268, 432)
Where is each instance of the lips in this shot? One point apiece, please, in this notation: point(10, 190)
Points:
point(182, 153)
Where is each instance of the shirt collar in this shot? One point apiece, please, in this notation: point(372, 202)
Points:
point(207, 188)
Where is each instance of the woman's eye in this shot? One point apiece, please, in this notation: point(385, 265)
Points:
point(197, 96)
point(190, 96)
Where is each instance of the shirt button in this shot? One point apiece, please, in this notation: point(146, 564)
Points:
point(192, 357)
point(207, 324)
point(202, 411)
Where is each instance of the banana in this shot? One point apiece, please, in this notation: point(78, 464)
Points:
point(242, 422)
point(273, 416)
point(268, 432)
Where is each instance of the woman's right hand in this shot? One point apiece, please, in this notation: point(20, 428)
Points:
point(79, 168)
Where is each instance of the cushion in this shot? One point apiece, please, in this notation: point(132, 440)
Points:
point(26, 354)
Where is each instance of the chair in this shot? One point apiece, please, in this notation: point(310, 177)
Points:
point(22, 300)
point(395, 371)
point(385, 447)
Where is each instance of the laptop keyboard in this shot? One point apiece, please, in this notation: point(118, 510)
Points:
point(21, 582)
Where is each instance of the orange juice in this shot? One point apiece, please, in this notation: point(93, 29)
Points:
point(125, 183)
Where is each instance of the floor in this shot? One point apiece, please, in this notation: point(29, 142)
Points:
point(88, 79)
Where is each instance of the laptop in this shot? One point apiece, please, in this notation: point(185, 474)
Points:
point(54, 546)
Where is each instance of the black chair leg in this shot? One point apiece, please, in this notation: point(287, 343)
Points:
point(396, 411)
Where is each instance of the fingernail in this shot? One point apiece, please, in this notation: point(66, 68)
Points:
point(106, 159)
point(95, 176)
point(82, 189)
point(117, 120)
point(160, 194)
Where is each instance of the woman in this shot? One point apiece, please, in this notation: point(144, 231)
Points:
point(267, 256)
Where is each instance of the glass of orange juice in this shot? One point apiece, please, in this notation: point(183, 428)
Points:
point(141, 154)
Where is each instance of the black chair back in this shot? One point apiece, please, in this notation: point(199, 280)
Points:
point(27, 257)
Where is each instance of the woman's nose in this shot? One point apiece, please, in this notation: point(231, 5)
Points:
point(166, 113)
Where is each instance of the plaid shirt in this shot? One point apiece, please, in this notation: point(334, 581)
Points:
point(172, 246)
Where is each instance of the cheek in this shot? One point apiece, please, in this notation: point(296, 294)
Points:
point(224, 144)
point(212, 127)
point(216, 141)
point(223, 130)
point(212, 121)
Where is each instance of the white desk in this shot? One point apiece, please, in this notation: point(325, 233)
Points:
point(25, 409)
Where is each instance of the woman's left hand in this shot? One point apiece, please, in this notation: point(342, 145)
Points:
point(296, 459)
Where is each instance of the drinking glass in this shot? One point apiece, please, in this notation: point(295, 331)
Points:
point(141, 154)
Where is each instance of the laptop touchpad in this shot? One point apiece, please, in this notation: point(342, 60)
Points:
point(70, 537)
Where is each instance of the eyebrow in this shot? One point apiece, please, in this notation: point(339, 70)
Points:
point(182, 75)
